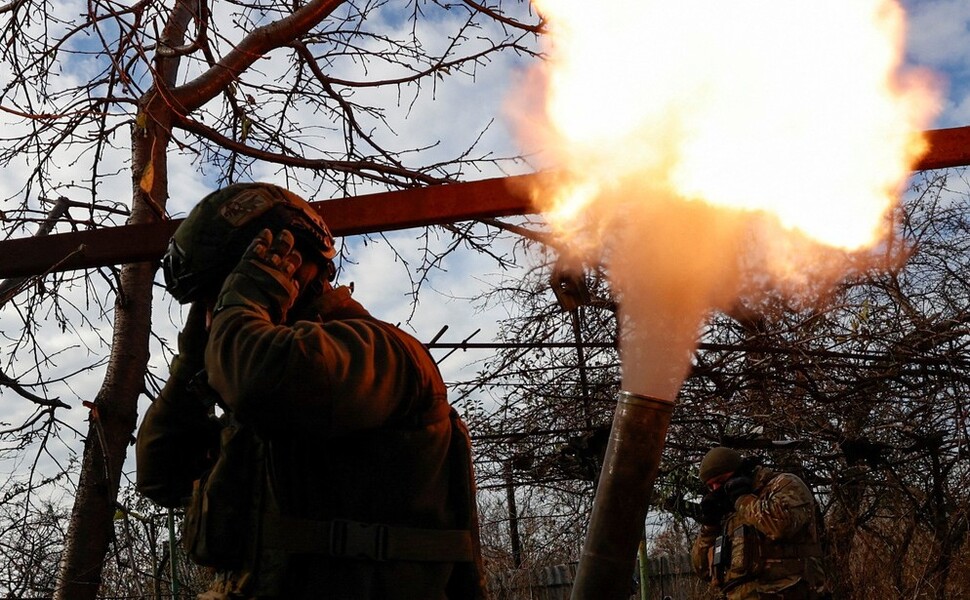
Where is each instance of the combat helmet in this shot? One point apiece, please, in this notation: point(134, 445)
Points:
point(719, 461)
point(211, 240)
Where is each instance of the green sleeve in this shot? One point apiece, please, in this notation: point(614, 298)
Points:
point(175, 441)
point(332, 377)
point(701, 551)
point(780, 510)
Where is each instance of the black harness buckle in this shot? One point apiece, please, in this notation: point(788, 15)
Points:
point(351, 539)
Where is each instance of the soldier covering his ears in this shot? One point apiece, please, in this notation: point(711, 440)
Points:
point(759, 532)
point(337, 468)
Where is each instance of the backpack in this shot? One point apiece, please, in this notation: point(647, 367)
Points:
point(226, 502)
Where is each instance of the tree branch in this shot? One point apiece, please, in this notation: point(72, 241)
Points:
point(385, 173)
point(280, 33)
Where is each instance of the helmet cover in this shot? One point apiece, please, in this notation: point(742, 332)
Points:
point(211, 240)
point(719, 461)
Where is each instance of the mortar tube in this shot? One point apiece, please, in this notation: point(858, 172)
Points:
point(622, 497)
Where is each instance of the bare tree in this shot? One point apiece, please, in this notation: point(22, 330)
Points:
point(316, 88)
point(32, 527)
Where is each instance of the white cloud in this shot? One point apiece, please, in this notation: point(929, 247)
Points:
point(958, 111)
point(936, 29)
point(938, 37)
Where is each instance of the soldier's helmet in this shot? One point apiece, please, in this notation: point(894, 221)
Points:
point(212, 239)
point(719, 461)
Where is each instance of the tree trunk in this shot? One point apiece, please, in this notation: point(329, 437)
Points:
point(112, 421)
point(114, 412)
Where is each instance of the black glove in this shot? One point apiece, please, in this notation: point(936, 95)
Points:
point(714, 506)
point(736, 487)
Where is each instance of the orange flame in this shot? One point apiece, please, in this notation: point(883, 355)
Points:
point(801, 110)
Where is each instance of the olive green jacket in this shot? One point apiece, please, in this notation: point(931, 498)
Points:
point(774, 542)
point(354, 415)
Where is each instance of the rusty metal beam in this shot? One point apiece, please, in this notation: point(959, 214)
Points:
point(385, 211)
point(947, 148)
point(348, 216)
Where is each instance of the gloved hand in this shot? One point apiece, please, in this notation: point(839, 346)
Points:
point(264, 277)
point(737, 486)
point(714, 506)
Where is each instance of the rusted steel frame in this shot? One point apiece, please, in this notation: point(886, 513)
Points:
point(348, 216)
point(385, 211)
point(947, 148)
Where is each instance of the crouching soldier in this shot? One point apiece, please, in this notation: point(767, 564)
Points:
point(759, 533)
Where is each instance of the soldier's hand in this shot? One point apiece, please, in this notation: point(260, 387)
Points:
point(264, 276)
point(736, 487)
point(277, 254)
point(714, 506)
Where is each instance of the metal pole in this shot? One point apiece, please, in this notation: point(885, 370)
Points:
point(581, 362)
point(644, 568)
point(152, 535)
point(173, 554)
point(513, 516)
point(622, 497)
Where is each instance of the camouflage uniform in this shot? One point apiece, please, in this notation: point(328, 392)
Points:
point(775, 551)
point(358, 437)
